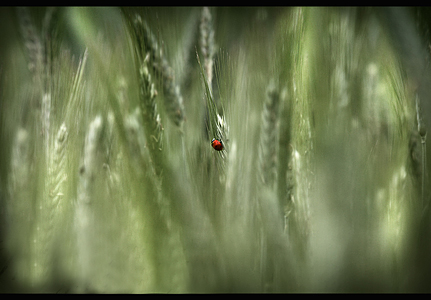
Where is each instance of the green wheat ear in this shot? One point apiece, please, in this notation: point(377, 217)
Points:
point(269, 137)
point(216, 122)
point(146, 44)
point(150, 117)
point(216, 125)
point(33, 45)
point(141, 39)
point(206, 42)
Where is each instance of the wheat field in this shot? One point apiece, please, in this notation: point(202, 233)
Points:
point(109, 183)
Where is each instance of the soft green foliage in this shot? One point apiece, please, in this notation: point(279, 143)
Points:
point(109, 183)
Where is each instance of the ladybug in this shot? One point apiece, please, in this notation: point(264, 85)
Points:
point(217, 144)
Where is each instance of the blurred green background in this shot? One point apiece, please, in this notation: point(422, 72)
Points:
point(322, 187)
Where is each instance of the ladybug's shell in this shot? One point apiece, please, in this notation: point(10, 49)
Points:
point(217, 145)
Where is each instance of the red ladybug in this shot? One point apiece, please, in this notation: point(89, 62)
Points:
point(217, 144)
